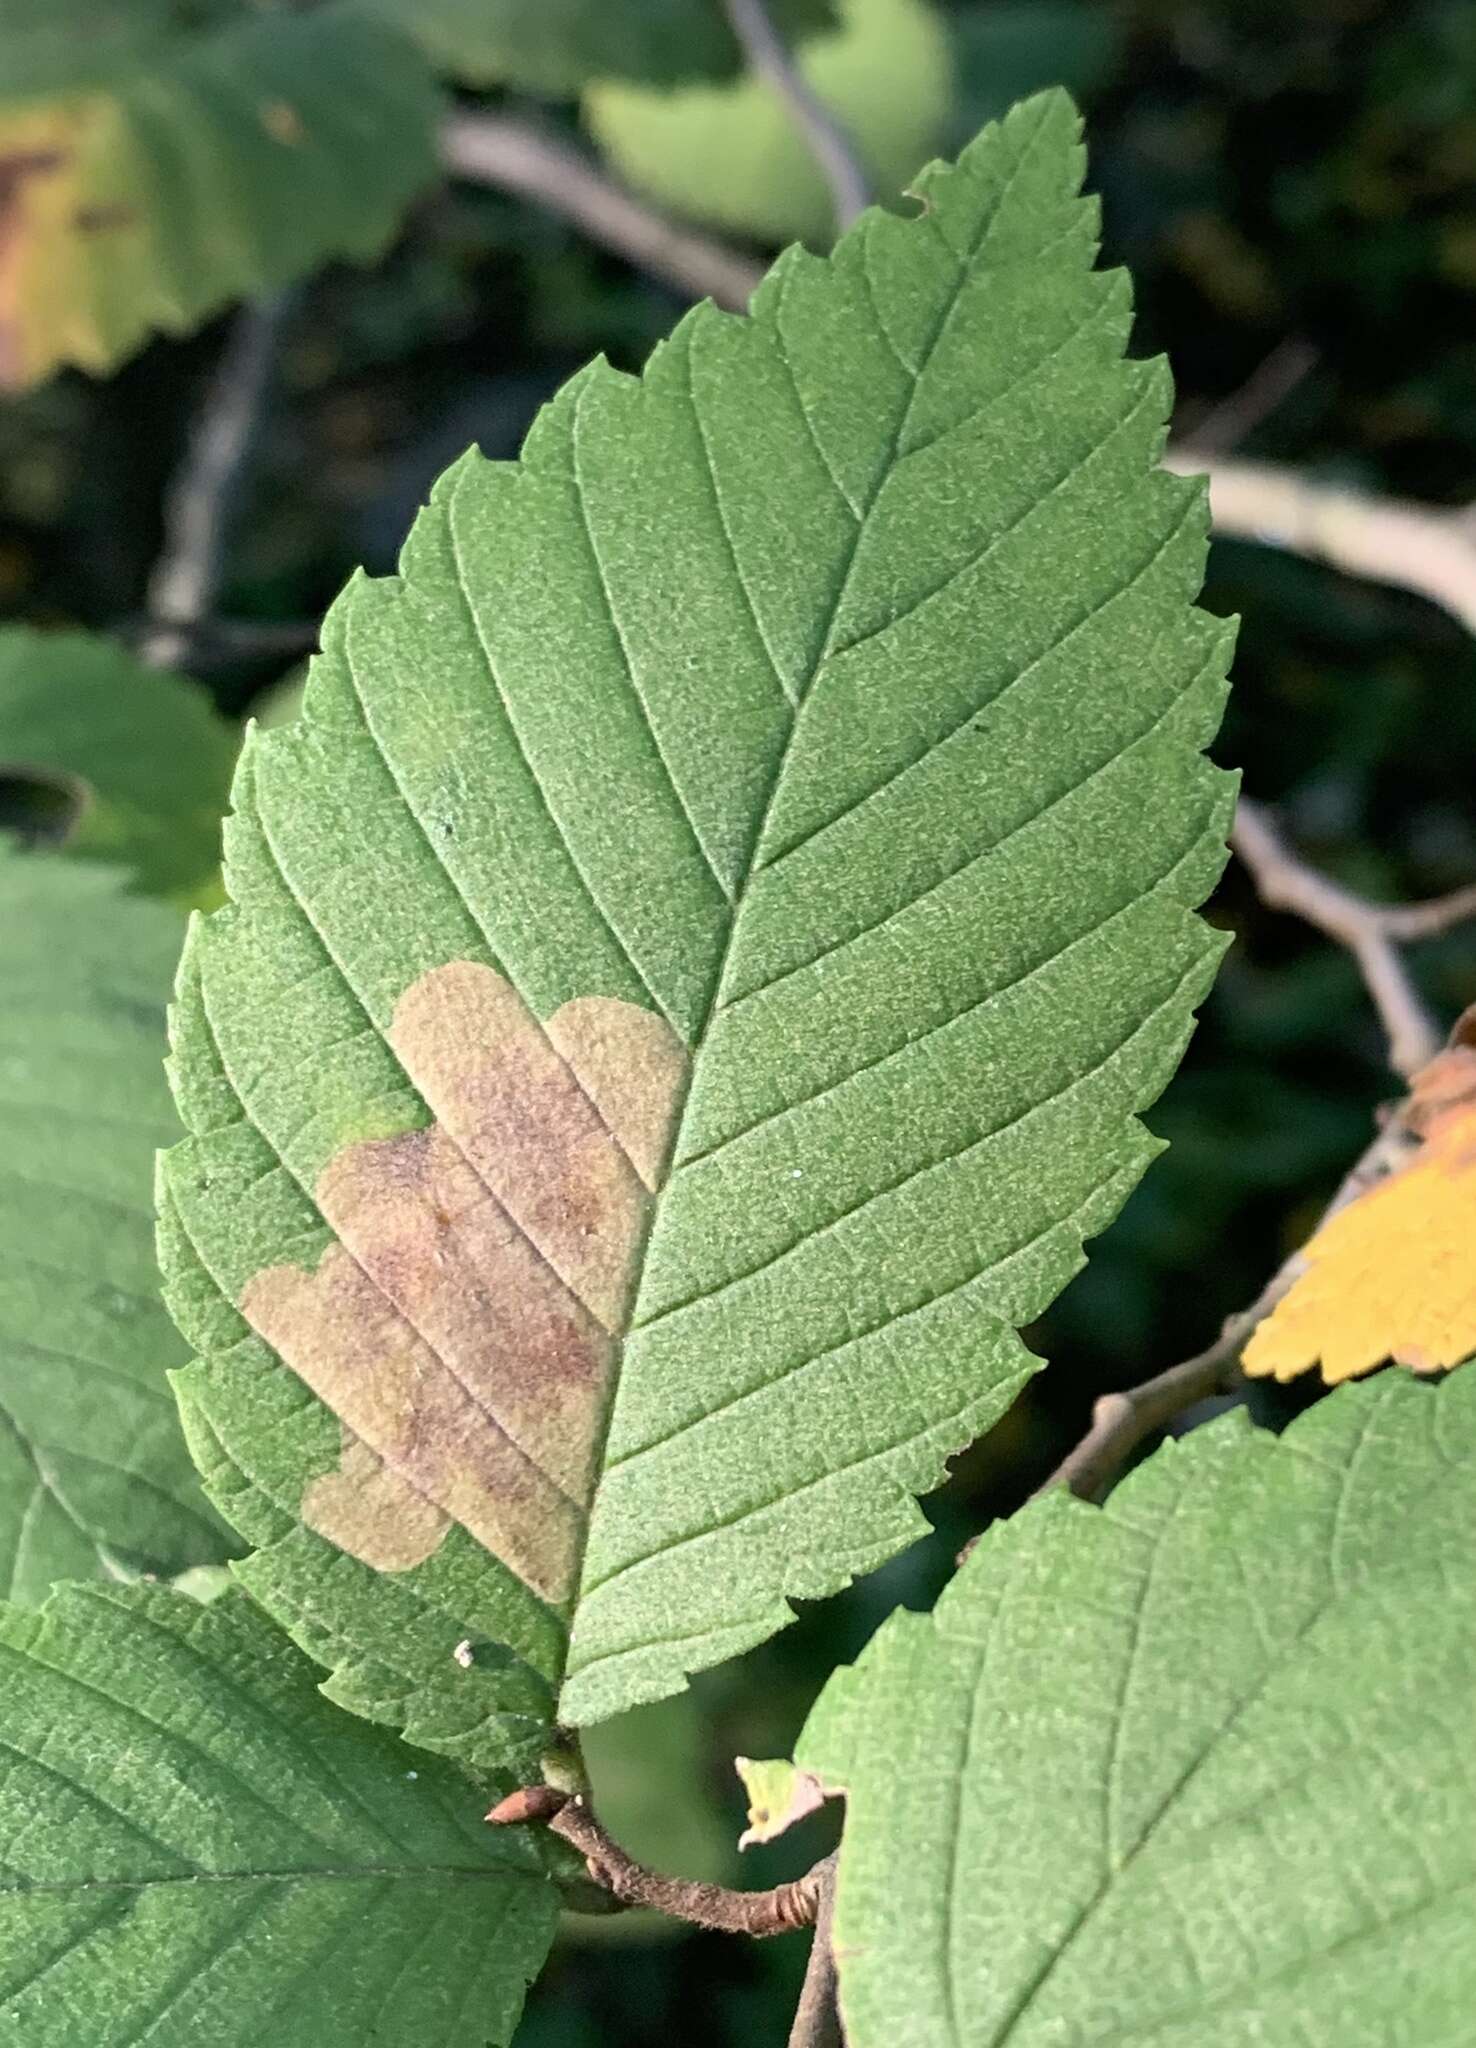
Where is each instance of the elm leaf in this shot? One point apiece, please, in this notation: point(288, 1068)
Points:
point(1388, 1276)
point(95, 1480)
point(1190, 1769)
point(155, 166)
point(199, 1848)
point(693, 968)
point(142, 760)
point(730, 153)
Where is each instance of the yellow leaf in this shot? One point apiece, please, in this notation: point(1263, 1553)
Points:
point(1393, 1276)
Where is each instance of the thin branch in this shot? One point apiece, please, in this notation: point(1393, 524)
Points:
point(1224, 425)
point(1388, 540)
point(518, 156)
point(1370, 931)
point(1417, 547)
point(215, 640)
point(713, 1906)
point(827, 141)
point(202, 497)
point(817, 2020)
point(1122, 1421)
point(1429, 919)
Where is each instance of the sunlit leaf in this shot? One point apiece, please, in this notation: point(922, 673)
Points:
point(732, 154)
point(157, 162)
point(1190, 1770)
point(1393, 1275)
point(694, 965)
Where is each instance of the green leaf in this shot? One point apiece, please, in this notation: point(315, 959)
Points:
point(198, 1848)
point(1192, 1769)
point(732, 154)
point(159, 165)
point(142, 761)
point(556, 46)
point(694, 965)
point(94, 1475)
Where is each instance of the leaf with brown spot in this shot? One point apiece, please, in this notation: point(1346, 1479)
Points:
point(651, 1064)
point(1392, 1277)
point(462, 1324)
point(152, 171)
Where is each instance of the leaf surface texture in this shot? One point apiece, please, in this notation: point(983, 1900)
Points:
point(95, 1479)
point(1191, 1770)
point(693, 969)
point(199, 1849)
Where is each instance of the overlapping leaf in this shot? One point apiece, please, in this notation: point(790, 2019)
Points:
point(556, 46)
point(731, 153)
point(1393, 1274)
point(94, 1476)
point(693, 969)
point(157, 161)
point(139, 760)
point(1193, 1769)
point(199, 1849)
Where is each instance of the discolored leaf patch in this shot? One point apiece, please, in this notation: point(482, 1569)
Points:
point(37, 151)
point(151, 172)
point(1391, 1277)
point(463, 1327)
point(779, 1795)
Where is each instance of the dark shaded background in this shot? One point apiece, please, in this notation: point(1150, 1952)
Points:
point(1292, 180)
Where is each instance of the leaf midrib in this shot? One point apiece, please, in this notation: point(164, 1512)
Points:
point(803, 698)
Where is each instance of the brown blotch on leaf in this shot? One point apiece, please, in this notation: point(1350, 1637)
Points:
point(463, 1327)
point(282, 122)
point(99, 220)
point(1447, 1083)
point(366, 1508)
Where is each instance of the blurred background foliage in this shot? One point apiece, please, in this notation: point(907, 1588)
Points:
point(1293, 183)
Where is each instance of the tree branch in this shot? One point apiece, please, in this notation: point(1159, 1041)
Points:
point(1370, 931)
point(827, 141)
point(713, 1906)
point(1416, 547)
point(518, 156)
point(1388, 540)
point(203, 495)
point(817, 2021)
point(1224, 425)
point(1122, 1421)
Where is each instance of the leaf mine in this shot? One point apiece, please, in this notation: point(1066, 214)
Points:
point(461, 1327)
